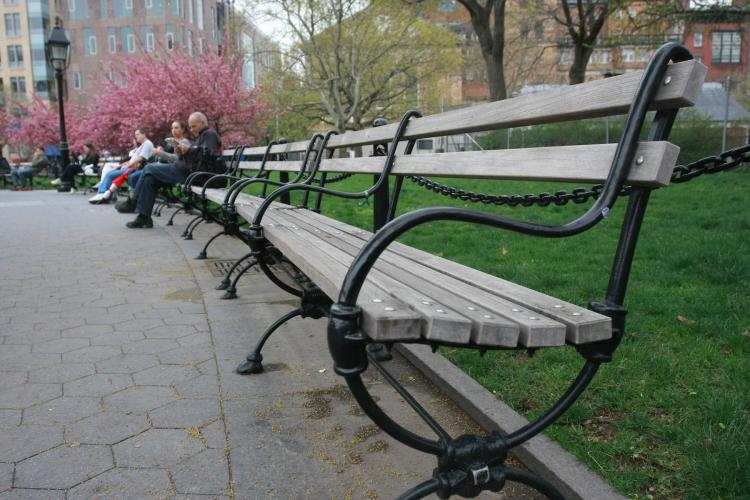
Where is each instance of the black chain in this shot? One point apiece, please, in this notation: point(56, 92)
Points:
point(682, 173)
point(335, 178)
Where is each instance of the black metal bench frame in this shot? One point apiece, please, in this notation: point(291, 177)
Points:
point(468, 464)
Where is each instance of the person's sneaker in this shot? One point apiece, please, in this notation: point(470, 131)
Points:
point(98, 199)
point(16, 188)
point(141, 221)
point(126, 207)
point(72, 190)
point(25, 188)
point(56, 182)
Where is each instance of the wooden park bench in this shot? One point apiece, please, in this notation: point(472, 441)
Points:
point(374, 289)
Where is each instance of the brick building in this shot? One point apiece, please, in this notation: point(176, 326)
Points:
point(102, 31)
point(539, 50)
point(720, 39)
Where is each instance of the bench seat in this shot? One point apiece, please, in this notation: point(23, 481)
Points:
point(412, 295)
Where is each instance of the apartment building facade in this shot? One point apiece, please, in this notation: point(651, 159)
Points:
point(23, 64)
point(103, 31)
point(539, 50)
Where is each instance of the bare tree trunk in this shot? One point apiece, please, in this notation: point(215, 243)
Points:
point(489, 24)
point(577, 72)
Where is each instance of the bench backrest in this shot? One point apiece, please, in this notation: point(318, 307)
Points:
point(653, 162)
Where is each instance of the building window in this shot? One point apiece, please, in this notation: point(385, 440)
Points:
point(190, 43)
point(605, 57)
point(112, 41)
point(18, 84)
point(628, 55)
point(12, 24)
point(77, 80)
point(170, 41)
point(131, 42)
point(725, 47)
point(10, 2)
point(71, 5)
point(149, 42)
point(698, 39)
point(129, 4)
point(564, 56)
point(92, 44)
point(149, 4)
point(15, 56)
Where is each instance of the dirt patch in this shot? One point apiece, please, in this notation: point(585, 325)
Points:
point(184, 295)
point(365, 432)
point(319, 407)
point(377, 446)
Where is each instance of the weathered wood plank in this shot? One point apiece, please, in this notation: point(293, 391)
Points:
point(653, 166)
point(393, 321)
point(610, 96)
point(544, 330)
point(448, 325)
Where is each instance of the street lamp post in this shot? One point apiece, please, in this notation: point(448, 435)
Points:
point(58, 55)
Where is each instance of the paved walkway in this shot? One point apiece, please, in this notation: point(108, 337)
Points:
point(117, 378)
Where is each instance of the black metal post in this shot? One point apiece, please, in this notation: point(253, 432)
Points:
point(64, 154)
point(381, 201)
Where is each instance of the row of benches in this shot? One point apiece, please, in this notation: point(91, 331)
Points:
point(374, 289)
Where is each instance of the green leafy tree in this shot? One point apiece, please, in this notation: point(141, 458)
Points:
point(360, 59)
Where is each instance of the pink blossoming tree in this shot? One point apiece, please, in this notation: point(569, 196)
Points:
point(152, 91)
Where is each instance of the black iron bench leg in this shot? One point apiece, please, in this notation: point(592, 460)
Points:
point(171, 219)
point(188, 232)
point(160, 207)
point(442, 483)
point(314, 304)
point(201, 221)
point(468, 464)
point(231, 291)
point(253, 361)
point(226, 281)
point(203, 253)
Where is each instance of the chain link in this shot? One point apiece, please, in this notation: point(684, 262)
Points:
point(682, 173)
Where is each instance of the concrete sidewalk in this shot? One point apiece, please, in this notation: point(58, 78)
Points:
point(117, 374)
point(117, 379)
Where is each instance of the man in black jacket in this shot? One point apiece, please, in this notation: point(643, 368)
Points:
point(156, 175)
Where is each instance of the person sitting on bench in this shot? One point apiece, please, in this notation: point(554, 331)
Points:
point(66, 181)
point(156, 175)
point(22, 175)
point(144, 151)
point(162, 155)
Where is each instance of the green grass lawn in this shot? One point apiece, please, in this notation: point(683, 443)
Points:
point(670, 416)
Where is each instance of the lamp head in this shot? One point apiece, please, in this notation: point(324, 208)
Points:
point(58, 48)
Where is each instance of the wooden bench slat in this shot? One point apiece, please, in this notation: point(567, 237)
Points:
point(495, 321)
point(545, 330)
point(583, 325)
point(512, 314)
point(448, 326)
point(401, 323)
point(584, 163)
point(609, 96)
